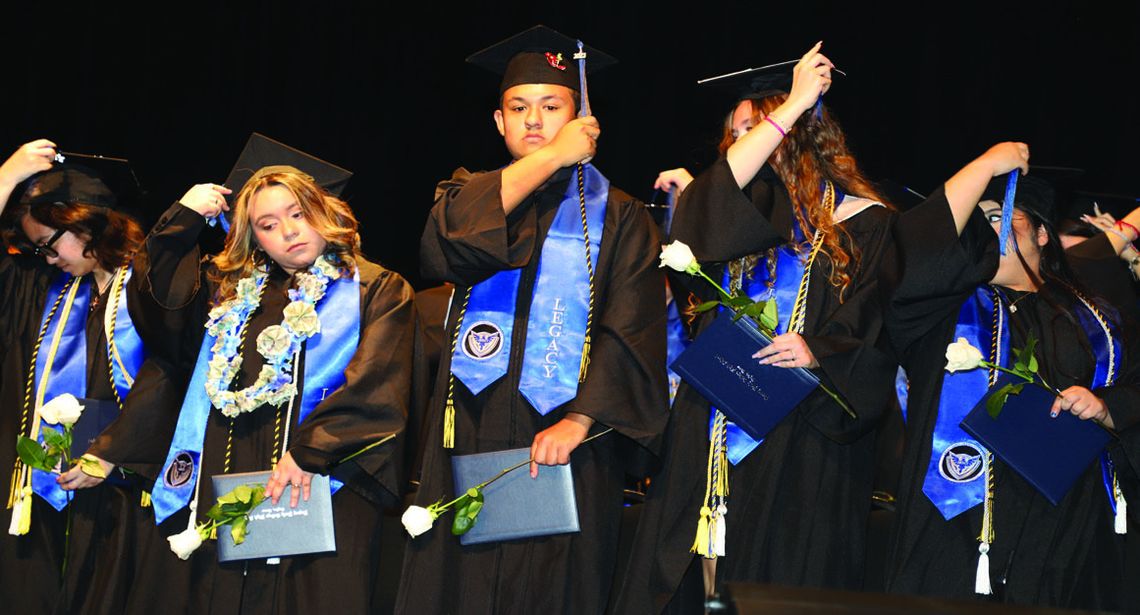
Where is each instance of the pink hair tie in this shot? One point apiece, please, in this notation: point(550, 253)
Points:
point(776, 125)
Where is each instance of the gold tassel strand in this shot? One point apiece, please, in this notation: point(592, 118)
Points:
point(17, 472)
point(585, 364)
point(449, 407)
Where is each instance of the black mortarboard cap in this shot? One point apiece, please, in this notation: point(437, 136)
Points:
point(91, 179)
point(759, 82)
point(539, 55)
point(260, 151)
point(1035, 196)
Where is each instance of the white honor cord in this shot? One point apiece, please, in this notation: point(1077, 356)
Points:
point(273, 561)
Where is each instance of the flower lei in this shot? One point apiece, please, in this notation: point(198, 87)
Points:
point(279, 344)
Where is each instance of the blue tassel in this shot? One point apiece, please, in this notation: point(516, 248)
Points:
point(1007, 211)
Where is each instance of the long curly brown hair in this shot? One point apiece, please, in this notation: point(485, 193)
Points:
point(814, 150)
point(330, 216)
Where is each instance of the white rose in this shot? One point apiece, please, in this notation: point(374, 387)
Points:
point(273, 341)
point(961, 356)
point(302, 319)
point(417, 520)
point(679, 257)
point(63, 410)
point(186, 542)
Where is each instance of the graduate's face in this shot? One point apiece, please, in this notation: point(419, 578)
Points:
point(1011, 273)
point(531, 114)
point(281, 229)
point(742, 119)
point(64, 251)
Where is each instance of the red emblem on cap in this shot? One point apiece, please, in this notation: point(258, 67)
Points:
point(555, 61)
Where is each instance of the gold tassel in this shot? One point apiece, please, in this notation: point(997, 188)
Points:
point(14, 487)
point(449, 424)
point(22, 514)
point(701, 544)
point(585, 360)
point(144, 499)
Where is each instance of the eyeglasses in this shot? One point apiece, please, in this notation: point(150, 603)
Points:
point(45, 248)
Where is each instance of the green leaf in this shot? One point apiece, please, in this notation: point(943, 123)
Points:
point(1032, 364)
point(473, 510)
point(56, 440)
point(706, 306)
point(32, 454)
point(739, 301)
point(996, 401)
point(769, 318)
point(461, 525)
point(215, 512)
point(238, 529)
point(91, 467)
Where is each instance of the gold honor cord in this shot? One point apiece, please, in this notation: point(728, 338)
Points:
point(23, 496)
point(986, 535)
point(710, 525)
point(449, 407)
point(590, 272)
point(109, 326)
point(17, 471)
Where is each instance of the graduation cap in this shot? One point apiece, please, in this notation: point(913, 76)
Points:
point(539, 55)
point(260, 152)
point(1034, 195)
point(759, 82)
point(90, 179)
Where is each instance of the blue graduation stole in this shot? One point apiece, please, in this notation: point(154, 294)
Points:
point(326, 356)
point(61, 363)
point(675, 343)
point(954, 480)
point(789, 272)
point(556, 324)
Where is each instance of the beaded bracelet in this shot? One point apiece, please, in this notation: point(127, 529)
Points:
point(774, 123)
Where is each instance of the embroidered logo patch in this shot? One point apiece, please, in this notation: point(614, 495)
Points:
point(555, 61)
point(961, 462)
point(483, 340)
point(180, 471)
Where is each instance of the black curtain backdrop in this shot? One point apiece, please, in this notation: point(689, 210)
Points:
point(381, 88)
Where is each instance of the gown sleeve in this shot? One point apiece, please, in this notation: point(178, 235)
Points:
point(720, 222)
point(468, 237)
point(849, 343)
point(940, 268)
point(374, 401)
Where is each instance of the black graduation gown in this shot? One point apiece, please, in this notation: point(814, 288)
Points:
point(100, 550)
point(468, 238)
point(798, 504)
point(372, 404)
point(1065, 555)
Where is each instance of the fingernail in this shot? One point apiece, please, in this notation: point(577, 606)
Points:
point(1053, 413)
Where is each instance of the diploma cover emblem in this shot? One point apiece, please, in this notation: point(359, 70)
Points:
point(961, 462)
point(483, 340)
point(180, 471)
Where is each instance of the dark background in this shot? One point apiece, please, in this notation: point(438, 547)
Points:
point(382, 89)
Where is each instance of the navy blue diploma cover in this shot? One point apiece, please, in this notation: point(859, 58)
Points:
point(719, 365)
point(97, 415)
point(279, 531)
point(1050, 453)
point(516, 506)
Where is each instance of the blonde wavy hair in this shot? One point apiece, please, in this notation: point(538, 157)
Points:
point(328, 215)
point(814, 150)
